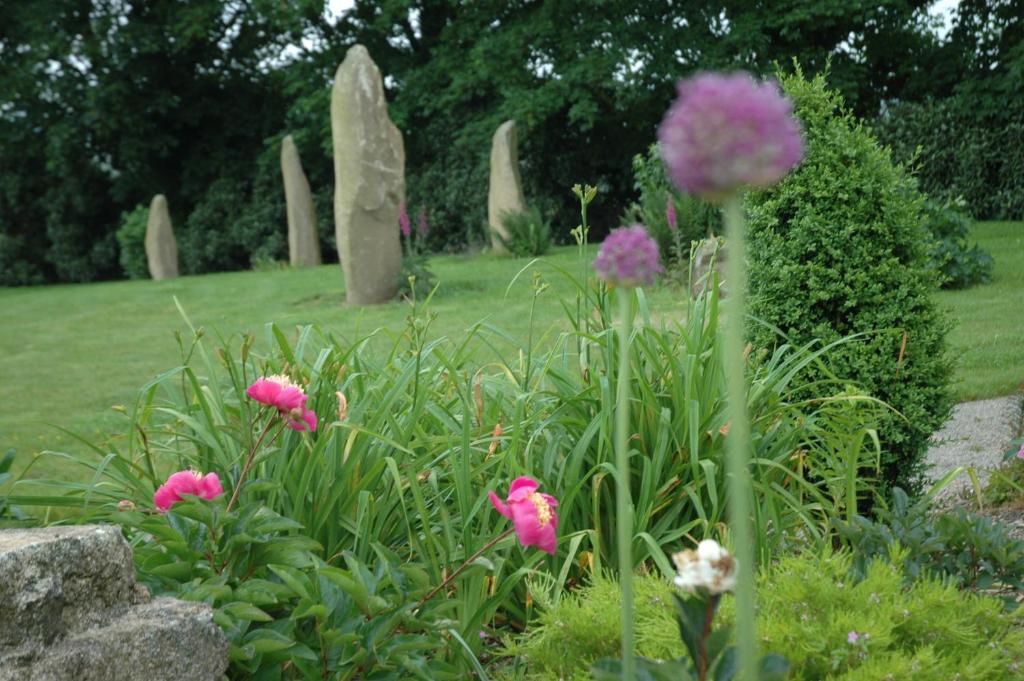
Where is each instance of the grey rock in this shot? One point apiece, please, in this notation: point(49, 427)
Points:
point(161, 247)
point(70, 608)
point(54, 580)
point(709, 253)
point(303, 239)
point(369, 181)
point(165, 640)
point(505, 194)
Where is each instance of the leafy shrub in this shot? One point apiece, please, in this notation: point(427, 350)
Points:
point(695, 218)
point(961, 265)
point(837, 249)
point(971, 550)
point(131, 242)
point(415, 279)
point(1006, 484)
point(808, 607)
point(962, 150)
point(529, 233)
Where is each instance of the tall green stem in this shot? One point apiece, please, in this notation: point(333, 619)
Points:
point(738, 439)
point(625, 503)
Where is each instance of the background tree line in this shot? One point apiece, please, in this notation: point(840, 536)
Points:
point(104, 103)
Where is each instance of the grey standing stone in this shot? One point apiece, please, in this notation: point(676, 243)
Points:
point(303, 239)
point(709, 253)
point(71, 610)
point(369, 181)
point(505, 194)
point(161, 248)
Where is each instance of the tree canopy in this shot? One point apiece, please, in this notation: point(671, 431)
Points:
point(104, 103)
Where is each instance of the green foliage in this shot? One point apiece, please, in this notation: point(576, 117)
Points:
point(1006, 484)
point(837, 249)
point(960, 151)
point(529, 233)
point(415, 280)
point(807, 607)
point(695, 219)
point(960, 264)
point(131, 242)
point(970, 550)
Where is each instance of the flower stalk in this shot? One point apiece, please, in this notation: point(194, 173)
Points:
point(624, 502)
point(738, 439)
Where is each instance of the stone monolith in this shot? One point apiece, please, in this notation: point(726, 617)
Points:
point(506, 188)
point(303, 238)
point(161, 248)
point(369, 181)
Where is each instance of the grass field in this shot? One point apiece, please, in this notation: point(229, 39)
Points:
point(70, 353)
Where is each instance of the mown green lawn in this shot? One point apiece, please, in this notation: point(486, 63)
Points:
point(70, 353)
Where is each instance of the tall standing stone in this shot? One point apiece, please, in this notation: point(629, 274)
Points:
point(161, 248)
point(506, 189)
point(369, 181)
point(303, 239)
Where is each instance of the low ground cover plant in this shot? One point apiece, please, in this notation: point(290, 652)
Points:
point(960, 263)
point(828, 621)
point(528, 233)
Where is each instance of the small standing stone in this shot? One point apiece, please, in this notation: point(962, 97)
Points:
point(303, 239)
point(369, 181)
point(161, 248)
point(506, 188)
point(709, 253)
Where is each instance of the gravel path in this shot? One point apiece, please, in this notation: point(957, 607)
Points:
point(977, 435)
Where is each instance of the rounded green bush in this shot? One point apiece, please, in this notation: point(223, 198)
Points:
point(131, 243)
point(838, 248)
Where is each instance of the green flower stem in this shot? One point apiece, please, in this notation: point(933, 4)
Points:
point(624, 510)
point(738, 439)
point(465, 564)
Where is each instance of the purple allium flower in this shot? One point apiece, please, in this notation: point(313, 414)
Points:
point(727, 131)
point(628, 258)
point(852, 637)
point(423, 226)
point(670, 213)
point(403, 220)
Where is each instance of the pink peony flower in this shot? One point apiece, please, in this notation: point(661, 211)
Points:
point(424, 227)
point(628, 258)
point(532, 513)
point(187, 482)
point(670, 214)
point(1020, 454)
point(727, 131)
point(289, 400)
point(403, 220)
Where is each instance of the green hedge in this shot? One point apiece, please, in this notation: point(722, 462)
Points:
point(838, 248)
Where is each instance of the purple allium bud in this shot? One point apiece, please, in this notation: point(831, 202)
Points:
point(403, 220)
point(423, 226)
point(727, 131)
point(628, 258)
point(670, 213)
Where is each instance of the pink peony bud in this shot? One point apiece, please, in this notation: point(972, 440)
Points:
point(187, 482)
point(725, 132)
point(533, 514)
point(628, 258)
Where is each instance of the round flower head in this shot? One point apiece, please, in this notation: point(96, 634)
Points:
point(709, 568)
point(628, 258)
point(728, 131)
point(289, 400)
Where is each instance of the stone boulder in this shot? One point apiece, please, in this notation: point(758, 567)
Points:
point(369, 181)
point(161, 248)
point(505, 194)
point(70, 609)
point(303, 239)
point(709, 253)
